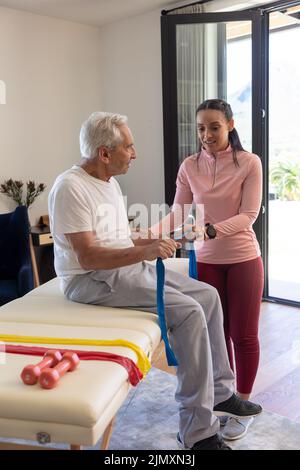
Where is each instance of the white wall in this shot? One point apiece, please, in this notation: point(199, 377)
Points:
point(132, 85)
point(52, 71)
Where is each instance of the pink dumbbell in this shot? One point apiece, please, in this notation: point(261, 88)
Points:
point(30, 374)
point(49, 377)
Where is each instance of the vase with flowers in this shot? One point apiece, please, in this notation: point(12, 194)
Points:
point(14, 189)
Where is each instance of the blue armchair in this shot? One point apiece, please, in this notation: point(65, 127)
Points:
point(16, 276)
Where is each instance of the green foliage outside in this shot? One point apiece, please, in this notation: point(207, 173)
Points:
point(285, 177)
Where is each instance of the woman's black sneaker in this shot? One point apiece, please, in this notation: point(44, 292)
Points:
point(211, 443)
point(235, 406)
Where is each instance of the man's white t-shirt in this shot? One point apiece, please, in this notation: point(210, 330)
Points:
point(79, 202)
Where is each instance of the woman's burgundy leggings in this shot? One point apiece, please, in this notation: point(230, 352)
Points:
point(240, 287)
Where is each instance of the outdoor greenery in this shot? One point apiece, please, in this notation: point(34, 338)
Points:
point(285, 176)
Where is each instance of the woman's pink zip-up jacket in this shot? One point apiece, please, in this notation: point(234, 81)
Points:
point(231, 197)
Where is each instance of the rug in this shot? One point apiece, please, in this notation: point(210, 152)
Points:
point(148, 420)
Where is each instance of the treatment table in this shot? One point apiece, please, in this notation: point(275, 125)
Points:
point(81, 408)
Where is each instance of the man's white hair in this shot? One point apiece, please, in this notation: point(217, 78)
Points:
point(100, 130)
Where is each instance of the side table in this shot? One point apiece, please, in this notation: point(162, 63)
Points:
point(40, 237)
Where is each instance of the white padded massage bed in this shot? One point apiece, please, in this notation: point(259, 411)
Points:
point(82, 407)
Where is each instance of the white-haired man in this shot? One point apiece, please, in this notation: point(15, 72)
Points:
point(99, 263)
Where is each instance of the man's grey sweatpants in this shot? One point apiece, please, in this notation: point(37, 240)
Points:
point(195, 321)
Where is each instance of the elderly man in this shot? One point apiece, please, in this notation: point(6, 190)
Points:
point(98, 263)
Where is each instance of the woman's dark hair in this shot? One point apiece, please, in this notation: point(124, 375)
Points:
point(225, 108)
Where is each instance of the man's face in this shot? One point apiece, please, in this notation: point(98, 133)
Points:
point(120, 158)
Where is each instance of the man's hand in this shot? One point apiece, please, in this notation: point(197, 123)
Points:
point(162, 248)
point(142, 237)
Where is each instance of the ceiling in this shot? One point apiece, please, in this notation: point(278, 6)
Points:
point(91, 12)
point(101, 12)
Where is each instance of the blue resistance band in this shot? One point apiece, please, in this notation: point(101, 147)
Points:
point(193, 272)
point(160, 296)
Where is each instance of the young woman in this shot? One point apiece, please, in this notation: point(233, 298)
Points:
point(227, 181)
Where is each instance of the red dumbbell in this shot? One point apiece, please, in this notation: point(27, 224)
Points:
point(49, 377)
point(30, 374)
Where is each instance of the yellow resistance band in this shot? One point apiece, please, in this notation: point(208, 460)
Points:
point(143, 362)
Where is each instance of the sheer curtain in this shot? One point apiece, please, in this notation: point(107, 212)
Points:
point(190, 84)
point(197, 74)
point(201, 57)
point(188, 9)
point(190, 45)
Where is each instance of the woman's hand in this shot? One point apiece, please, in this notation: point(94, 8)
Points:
point(190, 233)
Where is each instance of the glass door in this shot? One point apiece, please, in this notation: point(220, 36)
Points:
point(284, 155)
point(209, 55)
point(214, 60)
point(249, 58)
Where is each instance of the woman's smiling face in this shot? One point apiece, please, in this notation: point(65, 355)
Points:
point(213, 130)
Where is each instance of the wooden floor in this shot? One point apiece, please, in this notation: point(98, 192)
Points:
point(277, 386)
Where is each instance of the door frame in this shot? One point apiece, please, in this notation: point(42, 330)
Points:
point(169, 81)
point(262, 225)
point(259, 16)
